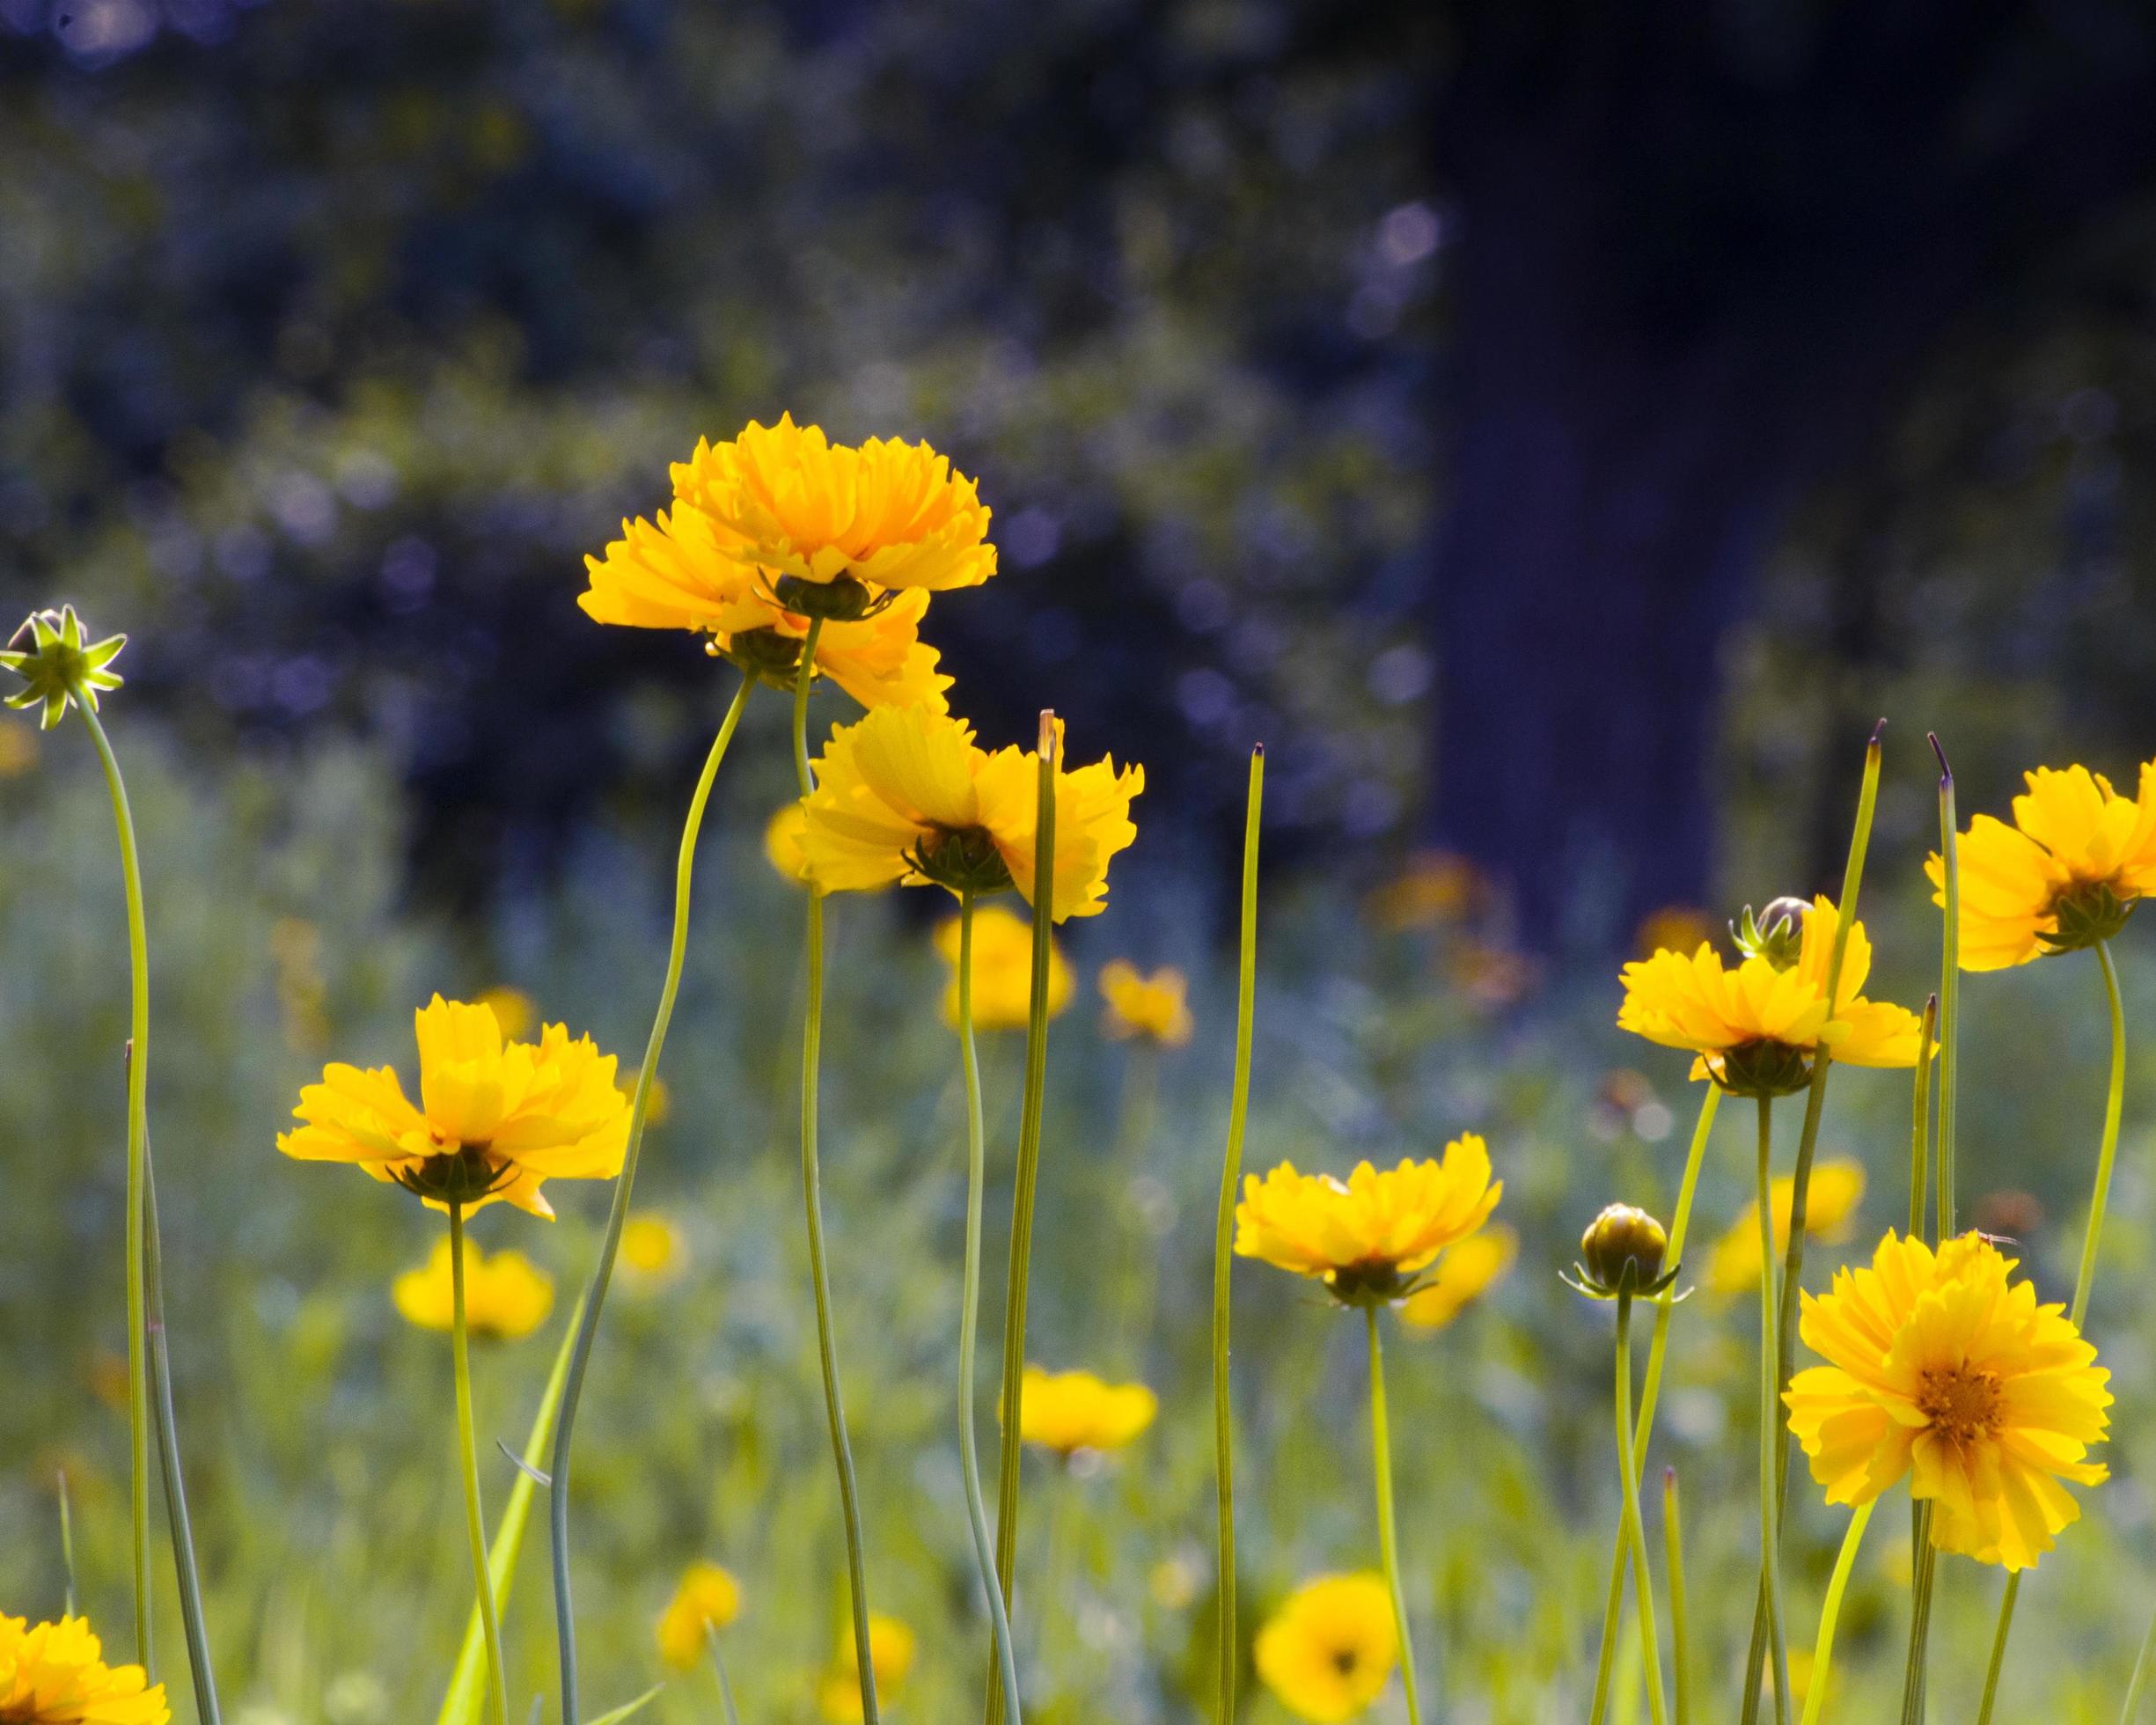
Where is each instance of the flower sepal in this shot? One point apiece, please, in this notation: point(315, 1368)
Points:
point(57, 665)
point(462, 1176)
point(1621, 1256)
point(2086, 916)
point(841, 599)
point(1761, 1068)
point(1361, 1285)
point(964, 859)
point(771, 656)
point(1775, 934)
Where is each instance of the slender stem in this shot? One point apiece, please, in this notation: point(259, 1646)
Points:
point(1388, 1527)
point(1228, 1642)
point(1769, 1427)
point(67, 1542)
point(1635, 1533)
point(602, 1273)
point(976, 1179)
point(1920, 1124)
point(1924, 1571)
point(474, 1517)
point(2138, 1682)
point(1823, 1650)
point(1681, 1643)
point(718, 1665)
point(1949, 993)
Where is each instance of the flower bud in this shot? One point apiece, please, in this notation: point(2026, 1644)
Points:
point(1624, 1238)
point(1775, 934)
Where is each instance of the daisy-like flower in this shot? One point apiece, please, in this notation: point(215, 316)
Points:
point(57, 665)
point(1466, 1271)
point(905, 795)
point(1837, 1188)
point(1070, 1411)
point(1945, 1370)
point(54, 1674)
point(1330, 1649)
point(2067, 874)
point(494, 1119)
point(506, 1296)
point(892, 1647)
point(1149, 1009)
point(1755, 1028)
point(1366, 1237)
point(1002, 971)
point(706, 1597)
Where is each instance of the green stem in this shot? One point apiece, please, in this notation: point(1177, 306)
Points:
point(1949, 993)
point(1823, 1650)
point(1920, 1124)
point(1229, 1646)
point(474, 1517)
point(1681, 1643)
point(1769, 1426)
point(718, 1665)
point(1388, 1526)
point(976, 1179)
point(1635, 1532)
point(602, 1275)
point(1925, 1561)
point(2139, 1680)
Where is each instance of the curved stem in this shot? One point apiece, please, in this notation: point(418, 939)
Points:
point(1769, 1425)
point(1823, 1650)
point(1388, 1531)
point(1680, 1632)
point(602, 1275)
point(2139, 1680)
point(474, 1516)
point(1635, 1533)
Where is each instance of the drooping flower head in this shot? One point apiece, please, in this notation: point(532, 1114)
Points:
point(1945, 1368)
point(706, 1597)
point(1465, 1272)
point(2068, 872)
point(905, 795)
point(1831, 1200)
point(57, 665)
point(1366, 1237)
point(54, 1674)
point(1002, 971)
point(494, 1119)
point(892, 1646)
point(1755, 1027)
point(1329, 1649)
point(506, 1296)
point(1070, 1411)
point(1148, 1009)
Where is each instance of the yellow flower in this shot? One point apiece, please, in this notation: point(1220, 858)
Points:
point(706, 1594)
point(494, 1120)
point(1156, 1006)
point(1837, 1188)
point(53, 1674)
point(1329, 1651)
point(1477, 1263)
point(1002, 971)
point(658, 1106)
point(1677, 927)
point(892, 1648)
point(782, 849)
point(2067, 873)
point(1945, 1370)
point(653, 1250)
point(506, 1296)
point(1434, 888)
point(1075, 1410)
point(905, 795)
point(1366, 1236)
point(513, 1009)
point(1755, 1027)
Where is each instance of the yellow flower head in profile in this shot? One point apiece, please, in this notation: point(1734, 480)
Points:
point(783, 834)
point(1837, 1188)
point(905, 795)
point(1477, 1264)
point(1071, 1411)
point(1329, 1651)
point(1002, 971)
point(1152, 1008)
point(1366, 1236)
point(494, 1120)
point(653, 1250)
point(1945, 1370)
point(705, 1596)
point(1755, 1027)
point(506, 1296)
point(53, 1674)
point(891, 1650)
point(2065, 875)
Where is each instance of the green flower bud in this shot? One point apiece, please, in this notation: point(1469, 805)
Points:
point(50, 653)
point(1776, 934)
point(1623, 1241)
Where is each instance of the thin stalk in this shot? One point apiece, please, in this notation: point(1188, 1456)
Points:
point(1228, 1643)
point(67, 1541)
point(1949, 992)
point(1823, 1650)
point(1635, 1533)
point(1387, 1525)
point(602, 1275)
point(1681, 1643)
point(976, 1180)
point(1770, 1428)
point(2139, 1680)
point(1920, 1124)
point(474, 1516)
point(1925, 1570)
point(718, 1665)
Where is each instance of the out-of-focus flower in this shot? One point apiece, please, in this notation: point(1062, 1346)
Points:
point(1002, 971)
point(2067, 874)
point(1837, 1188)
point(18, 752)
point(658, 1106)
point(56, 1674)
point(1674, 929)
point(706, 1595)
point(1945, 1370)
point(514, 1010)
point(782, 835)
point(296, 949)
point(891, 1650)
point(496, 1119)
point(505, 1295)
point(57, 665)
point(2010, 1214)
point(1329, 1649)
point(1492, 976)
point(654, 1250)
point(1436, 887)
point(1071, 1411)
point(1477, 1264)
point(1152, 1008)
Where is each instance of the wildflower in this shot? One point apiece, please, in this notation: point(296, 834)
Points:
point(494, 1120)
point(658, 1106)
point(783, 834)
point(1434, 888)
point(1837, 1188)
point(1071, 1411)
point(2067, 874)
point(653, 1250)
point(1366, 1237)
point(1755, 1028)
point(506, 1296)
point(1945, 1370)
point(1477, 1264)
point(1329, 1649)
point(706, 1597)
point(1152, 1009)
point(1677, 927)
point(19, 753)
point(53, 1674)
point(513, 1009)
point(1002, 971)
point(892, 1649)
point(1621, 1252)
point(58, 666)
point(905, 795)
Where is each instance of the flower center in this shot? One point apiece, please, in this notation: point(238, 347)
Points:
point(1344, 1660)
point(1961, 1404)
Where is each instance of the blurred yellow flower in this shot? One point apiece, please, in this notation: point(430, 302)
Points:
point(513, 1009)
point(1755, 1027)
point(1156, 1007)
point(1674, 929)
point(1478, 1262)
point(706, 1594)
point(18, 751)
point(1070, 1411)
point(2067, 873)
point(1002, 971)
point(658, 1107)
point(654, 1251)
point(1434, 888)
point(1837, 1188)
point(782, 849)
point(1367, 1234)
point(54, 1674)
point(1330, 1649)
point(495, 1120)
point(892, 1649)
point(1945, 1370)
point(506, 1296)
point(905, 795)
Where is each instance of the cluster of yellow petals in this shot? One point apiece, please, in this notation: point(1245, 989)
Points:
point(1395, 1222)
point(1002, 971)
point(1945, 1370)
point(1836, 1190)
point(1700, 1004)
point(654, 1250)
point(506, 1296)
point(1071, 1411)
point(1149, 1009)
point(2071, 834)
point(706, 1597)
point(1329, 1649)
point(56, 1674)
point(1466, 1271)
point(892, 1647)
point(529, 1112)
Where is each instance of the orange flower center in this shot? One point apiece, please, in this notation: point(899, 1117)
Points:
point(1962, 1405)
